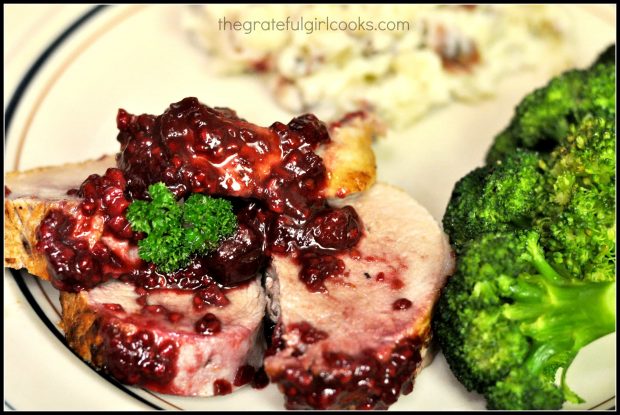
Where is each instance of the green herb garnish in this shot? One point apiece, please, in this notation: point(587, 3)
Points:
point(175, 230)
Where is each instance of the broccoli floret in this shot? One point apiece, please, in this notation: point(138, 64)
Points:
point(479, 343)
point(581, 187)
point(503, 195)
point(507, 321)
point(542, 119)
point(523, 389)
point(534, 231)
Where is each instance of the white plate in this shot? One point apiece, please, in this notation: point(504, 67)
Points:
point(138, 58)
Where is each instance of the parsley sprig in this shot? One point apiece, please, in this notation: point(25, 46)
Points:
point(176, 230)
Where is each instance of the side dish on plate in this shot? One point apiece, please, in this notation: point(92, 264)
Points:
point(397, 60)
point(535, 236)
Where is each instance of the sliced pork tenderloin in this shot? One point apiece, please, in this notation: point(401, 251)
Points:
point(360, 343)
point(161, 341)
point(30, 194)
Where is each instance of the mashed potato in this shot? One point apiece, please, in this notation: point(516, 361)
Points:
point(444, 53)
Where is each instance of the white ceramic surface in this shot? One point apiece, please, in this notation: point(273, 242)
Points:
point(138, 58)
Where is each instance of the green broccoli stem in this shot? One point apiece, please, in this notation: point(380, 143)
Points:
point(537, 258)
point(560, 315)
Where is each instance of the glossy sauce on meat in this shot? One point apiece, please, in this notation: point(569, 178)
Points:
point(272, 174)
point(275, 181)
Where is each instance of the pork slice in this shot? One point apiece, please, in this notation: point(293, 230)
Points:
point(152, 341)
point(362, 343)
point(29, 195)
point(153, 350)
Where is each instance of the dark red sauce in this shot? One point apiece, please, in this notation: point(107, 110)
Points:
point(318, 244)
point(155, 309)
point(244, 254)
point(277, 342)
point(7, 191)
point(174, 317)
point(141, 358)
point(64, 235)
point(308, 334)
point(272, 174)
point(351, 379)
point(260, 380)
point(317, 268)
point(209, 325)
point(114, 307)
point(401, 304)
point(275, 181)
point(244, 375)
point(194, 148)
point(221, 387)
point(209, 296)
point(171, 316)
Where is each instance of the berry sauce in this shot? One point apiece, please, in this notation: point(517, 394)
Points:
point(90, 243)
point(194, 148)
point(402, 304)
point(364, 381)
point(244, 375)
point(141, 358)
point(209, 325)
point(221, 387)
point(272, 175)
point(306, 334)
point(255, 377)
point(276, 183)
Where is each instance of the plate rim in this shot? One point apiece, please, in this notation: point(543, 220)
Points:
point(9, 113)
point(19, 276)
